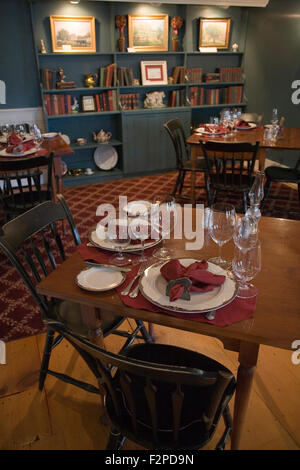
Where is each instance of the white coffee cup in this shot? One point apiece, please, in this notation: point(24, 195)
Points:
point(89, 171)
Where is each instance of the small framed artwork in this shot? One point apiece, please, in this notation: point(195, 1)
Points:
point(88, 104)
point(73, 33)
point(214, 32)
point(154, 73)
point(148, 33)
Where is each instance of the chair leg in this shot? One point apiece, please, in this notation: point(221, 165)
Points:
point(182, 181)
point(116, 441)
point(144, 332)
point(267, 189)
point(299, 191)
point(176, 184)
point(46, 357)
point(228, 428)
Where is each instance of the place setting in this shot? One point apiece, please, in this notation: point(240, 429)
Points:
point(17, 143)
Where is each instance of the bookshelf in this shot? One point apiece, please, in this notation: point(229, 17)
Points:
point(137, 133)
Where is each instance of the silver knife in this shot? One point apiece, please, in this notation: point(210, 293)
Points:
point(110, 266)
point(140, 271)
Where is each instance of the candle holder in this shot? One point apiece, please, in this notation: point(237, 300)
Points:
point(120, 24)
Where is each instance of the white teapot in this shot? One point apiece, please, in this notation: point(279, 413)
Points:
point(102, 136)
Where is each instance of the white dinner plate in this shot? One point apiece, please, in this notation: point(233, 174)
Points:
point(105, 157)
point(251, 125)
point(64, 168)
point(99, 279)
point(26, 138)
point(66, 138)
point(49, 135)
point(135, 208)
point(4, 153)
point(98, 238)
point(153, 287)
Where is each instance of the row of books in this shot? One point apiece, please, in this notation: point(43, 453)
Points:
point(112, 75)
point(62, 104)
point(231, 74)
point(176, 98)
point(209, 96)
point(178, 74)
point(48, 78)
point(194, 75)
point(129, 100)
point(106, 101)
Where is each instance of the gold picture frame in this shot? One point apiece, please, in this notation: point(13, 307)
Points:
point(88, 104)
point(214, 32)
point(73, 33)
point(148, 32)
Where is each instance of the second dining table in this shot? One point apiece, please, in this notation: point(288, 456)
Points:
point(274, 322)
point(289, 139)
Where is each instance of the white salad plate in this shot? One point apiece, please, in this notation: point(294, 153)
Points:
point(99, 279)
point(49, 135)
point(99, 238)
point(105, 157)
point(153, 287)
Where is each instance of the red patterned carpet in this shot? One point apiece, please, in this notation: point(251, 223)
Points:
point(19, 317)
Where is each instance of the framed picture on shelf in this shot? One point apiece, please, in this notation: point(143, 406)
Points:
point(73, 33)
point(154, 73)
point(214, 32)
point(88, 104)
point(148, 32)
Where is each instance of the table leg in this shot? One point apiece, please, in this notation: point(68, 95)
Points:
point(151, 333)
point(261, 158)
point(248, 355)
point(193, 172)
point(91, 317)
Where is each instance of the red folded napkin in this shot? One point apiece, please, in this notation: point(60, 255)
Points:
point(14, 139)
point(243, 124)
point(20, 148)
point(236, 311)
point(202, 279)
point(217, 129)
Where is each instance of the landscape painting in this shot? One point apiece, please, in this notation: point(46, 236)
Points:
point(214, 32)
point(148, 33)
point(73, 33)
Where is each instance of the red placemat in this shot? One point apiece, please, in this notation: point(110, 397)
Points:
point(238, 310)
point(102, 256)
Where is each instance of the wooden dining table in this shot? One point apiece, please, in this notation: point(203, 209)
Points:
point(288, 140)
point(59, 148)
point(275, 322)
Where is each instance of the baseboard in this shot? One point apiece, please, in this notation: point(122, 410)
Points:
point(20, 115)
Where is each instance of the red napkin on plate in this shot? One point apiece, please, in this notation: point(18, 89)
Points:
point(202, 279)
point(243, 124)
point(20, 148)
point(217, 129)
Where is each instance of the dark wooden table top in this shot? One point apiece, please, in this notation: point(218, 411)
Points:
point(276, 321)
point(290, 139)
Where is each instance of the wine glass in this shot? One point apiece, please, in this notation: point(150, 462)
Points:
point(246, 265)
point(118, 236)
point(222, 221)
point(36, 136)
point(164, 220)
point(139, 229)
point(5, 131)
point(246, 233)
point(20, 130)
point(275, 117)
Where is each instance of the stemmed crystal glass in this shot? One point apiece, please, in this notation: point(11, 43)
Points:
point(118, 236)
point(139, 230)
point(222, 219)
point(5, 131)
point(36, 135)
point(246, 233)
point(164, 218)
point(20, 130)
point(246, 264)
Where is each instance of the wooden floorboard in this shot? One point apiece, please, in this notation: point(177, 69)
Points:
point(65, 417)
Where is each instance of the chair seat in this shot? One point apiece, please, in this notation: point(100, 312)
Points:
point(276, 173)
point(200, 165)
point(235, 183)
point(69, 313)
point(193, 432)
point(25, 201)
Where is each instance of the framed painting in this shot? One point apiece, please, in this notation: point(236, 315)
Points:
point(214, 32)
point(154, 73)
point(73, 33)
point(148, 33)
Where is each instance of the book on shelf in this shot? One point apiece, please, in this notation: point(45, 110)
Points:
point(194, 75)
point(176, 98)
point(218, 95)
point(56, 105)
point(108, 76)
point(48, 78)
point(231, 74)
point(125, 76)
point(178, 75)
point(129, 101)
point(211, 77)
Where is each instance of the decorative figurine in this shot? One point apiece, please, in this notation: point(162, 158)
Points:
point(235, 47)
point(154, 99)
point(120, 24)
point(176, 23)
point(42, 47)
point(90, 80)
point(75, 106)
point(61, 84)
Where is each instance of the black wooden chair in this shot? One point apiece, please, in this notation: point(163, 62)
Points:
point(34, 246)
point(230, 167)
point(160, 396)
point(281, 175)
point(22, 187)
point(176, 132)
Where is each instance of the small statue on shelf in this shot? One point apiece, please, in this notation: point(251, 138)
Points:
point(120, 24)
point(61, 84)
point(176, 23)
point(42, 47)
point(154, 99)
point(235, 47)
point(75, 106)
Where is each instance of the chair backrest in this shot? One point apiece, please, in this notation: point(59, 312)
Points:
point(22, 185)
point(152, 384)
point(230, 165)
point(176, 132)
point(33, 244)
point(252, 117)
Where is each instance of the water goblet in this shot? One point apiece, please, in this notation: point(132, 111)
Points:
point(139, 229)
point(118, 236)
point(222, 221)
point(36, 135)
point(245, 234)
point(164, 218)
point(20, 130)
point(246, 264)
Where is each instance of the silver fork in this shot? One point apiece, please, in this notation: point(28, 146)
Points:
point(127, 289)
